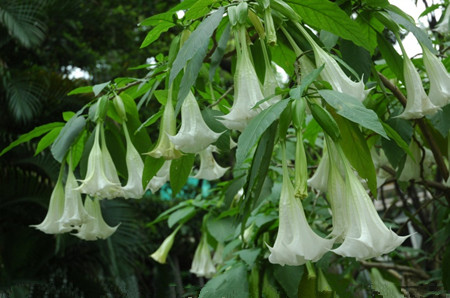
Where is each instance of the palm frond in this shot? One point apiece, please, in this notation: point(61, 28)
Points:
point(23, 21)
point(23, 98)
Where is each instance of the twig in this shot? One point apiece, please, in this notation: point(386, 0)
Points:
point(422, 274)
point(222, 97)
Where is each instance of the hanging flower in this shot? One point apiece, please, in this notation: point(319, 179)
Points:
point(380, 161)
point(439, 78)
point(218, 254)
point(135, 168)
point(319, 180)
point(418, 104)
point(202, 264)
point(164, 147)
point(247, 90)
point(101, 177)
point(160, 255)
point(194, 135)
point(270, 79)
point(74, 214)
point(209, 168)
point(96, 228)
point(161, 177)
point(333, 73)
point(366, 236)
point(50, 224)
point(412, 168)
point(296, 242)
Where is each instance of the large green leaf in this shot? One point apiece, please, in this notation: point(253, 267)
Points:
point(329, 16)
point(232, 283)
point(67, 136)
point(197, 43)
point(38, 131)
point(199, 9)
point(219, 51)
point(256, 128)
point(349, 107)
point(47, 140)
point(383, 286)
point(393, 59)
point(289, 278)
point(221, 229)
point(181, 215)
point(154, 34)
point(179, 172)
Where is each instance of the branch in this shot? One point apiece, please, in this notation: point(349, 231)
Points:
point(420, 273)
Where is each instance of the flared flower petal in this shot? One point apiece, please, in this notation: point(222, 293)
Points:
point(194, 135)
point(247, 90)
point(74, 214)
point(101, 177)
point(135, 167)
point(51, 224)
point(296, 242)
point(96, 228)
point(418, 104)
point(160, 255)
point(333, 73)
point(439, 78)
point(366, 235)
point(209, 168)
point(161, 177)
point(202, 264)
point(164, 147)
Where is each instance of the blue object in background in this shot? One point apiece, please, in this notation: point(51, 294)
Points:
point(189, 191)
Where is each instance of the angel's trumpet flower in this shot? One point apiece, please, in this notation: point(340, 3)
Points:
point(209, 168)
point(161, 177)
point(194, 135)
point(439, 79)
point(202, 264)
point(160, 255)
point(135, 168)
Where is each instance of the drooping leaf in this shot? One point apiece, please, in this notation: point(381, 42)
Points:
point(249, 255)
point(393, 59)
point(151, 167)
point(181, 215)
point(383, 286)
point(219, 52)
point(47, 140)
point(154, 34)
point(351, 108)
point(357, 152)
point(196, 43)
point(256, 128)
point(199, 9)
point(36, 132)
point(179, 172)
point(289, 278)
point(67, 136)
point(81, 90)
point(99, 87)
point(221, 229)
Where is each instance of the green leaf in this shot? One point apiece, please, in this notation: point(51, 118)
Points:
point(80, 90)
point(219, 52)
point(151, 167)
point(357, 58)
point(396, 137)
point(377, 3)
point(357, 152)
point(78, 148)
point(393, 152)
point(282, 55)
point(221, 229)
point(329, 16)
point(418, 33)
point(199, 38)
point(289, 278)
point(150, 120)
point(256, 128)
point(67, 115)
point(67, 136)
point(154, 34)
point(352, 109)
point(99, 87)
point(384, 287)
point(179, 172)
point(440, 120)
point(299, 91)
point(38, 131)
point(231, 283)
point(47, 140)
point(393, 59)
point(181, 215)
point(199, 9)
point(249, 255)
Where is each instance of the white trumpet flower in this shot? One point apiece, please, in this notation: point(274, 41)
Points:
point(418, 104)
point(161, 177)
point(319, 180)
point(444, 23)
point(439, 93)
point(333, 73)
point(135, 168)
point(96, 228)
point(51, 224)
point(366, 236)
point(160, 255)
point(247, 90)
point(412, 168)
point(74, 214)
point(296, 242)
point(202, 264)
point(209, 168)
point(101, 177)
point(194, 135)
